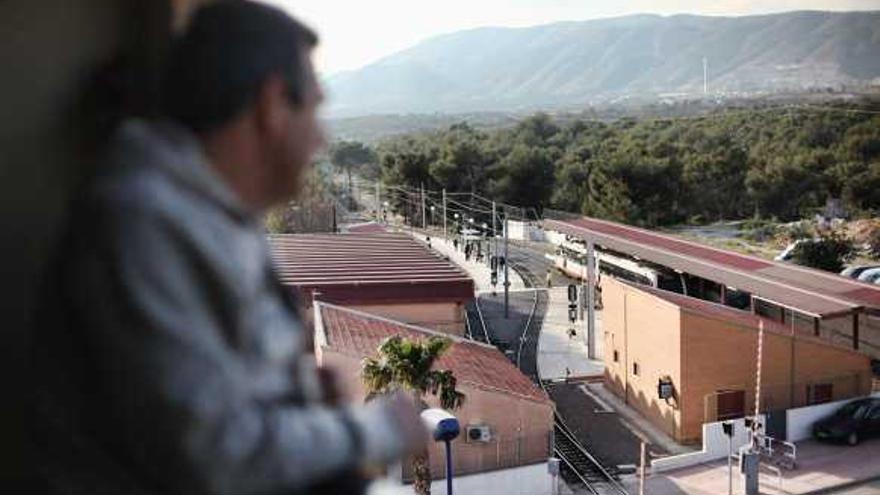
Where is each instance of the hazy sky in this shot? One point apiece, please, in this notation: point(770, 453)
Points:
point(357, 32)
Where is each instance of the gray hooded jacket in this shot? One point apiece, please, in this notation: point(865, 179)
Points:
point(168, 356)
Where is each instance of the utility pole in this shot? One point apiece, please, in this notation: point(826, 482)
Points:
point(494, 232)
point(727, 428)
point(758, 370)
point(751, 459)
point(445, 233)
point(642, 470)
point(424, 221)
point(591, 301)
point(506, 269)
point(378, 202)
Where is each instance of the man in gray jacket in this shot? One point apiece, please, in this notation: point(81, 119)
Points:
point(169, 359)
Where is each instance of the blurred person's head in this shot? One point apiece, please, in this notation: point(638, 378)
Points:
point(241, 78)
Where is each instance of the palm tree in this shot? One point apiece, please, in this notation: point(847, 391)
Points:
point(408, 365)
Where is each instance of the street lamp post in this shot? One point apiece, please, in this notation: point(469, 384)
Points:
point(444, 427)
point(485, 234)
point(445, 233)
point(506, 270)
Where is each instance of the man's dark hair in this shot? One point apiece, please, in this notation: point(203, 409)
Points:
point(216, 67)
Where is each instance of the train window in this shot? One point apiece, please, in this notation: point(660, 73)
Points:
point(670, 282)
point(737, 298)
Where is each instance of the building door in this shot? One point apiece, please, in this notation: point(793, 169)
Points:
point(776, 426)
point(731, 404)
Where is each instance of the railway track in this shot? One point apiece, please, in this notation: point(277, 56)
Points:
point(580, 469)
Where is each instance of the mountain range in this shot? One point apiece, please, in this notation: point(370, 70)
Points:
point(571, 64)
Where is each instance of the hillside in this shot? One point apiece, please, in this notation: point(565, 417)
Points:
point(578, 63)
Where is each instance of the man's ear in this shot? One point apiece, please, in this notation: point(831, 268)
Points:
point(271, 110)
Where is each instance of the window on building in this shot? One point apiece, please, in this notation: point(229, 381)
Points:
point(730, 404)
point(636, 369)
point(819, 393)
point(616, 357)
point(769, 310)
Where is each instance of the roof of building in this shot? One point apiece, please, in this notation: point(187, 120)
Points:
point(357, 268)
point(728, 314)
point(806, 290)
point(365, 227)
point(359, 334)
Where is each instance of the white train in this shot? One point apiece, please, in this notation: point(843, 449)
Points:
point(570, 258)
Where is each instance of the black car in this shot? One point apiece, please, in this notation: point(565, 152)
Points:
point(851, 423)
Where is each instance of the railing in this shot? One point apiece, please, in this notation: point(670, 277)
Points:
point(482, 321)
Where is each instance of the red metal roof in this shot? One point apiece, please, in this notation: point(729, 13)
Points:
point(355, 268)
point(366, 227)
point(804, 289)
point(359, 334)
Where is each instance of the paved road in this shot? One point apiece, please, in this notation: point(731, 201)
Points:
point(867, 488)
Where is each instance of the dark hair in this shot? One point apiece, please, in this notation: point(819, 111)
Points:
point(217, 66)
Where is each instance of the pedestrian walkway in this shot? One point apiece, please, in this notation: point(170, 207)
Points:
point(480, 272)
point(557, 351)
point(821, 466)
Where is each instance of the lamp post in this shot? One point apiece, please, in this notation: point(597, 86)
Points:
point(456, 226)
point(485, 235)
point(443, 427)
point(506, 269)
point(431, 218)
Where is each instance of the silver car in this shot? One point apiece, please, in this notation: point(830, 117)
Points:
point(856, 270)
point(871, 276)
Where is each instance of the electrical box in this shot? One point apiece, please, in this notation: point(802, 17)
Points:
point(479, 433)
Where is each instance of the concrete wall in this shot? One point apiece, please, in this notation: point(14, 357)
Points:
point(520, 427)
point(644, 330)
point(447, 317)
point(50, 49)
point(715, 446)
point(800, 421)
point(524, 480)
point(869, 334)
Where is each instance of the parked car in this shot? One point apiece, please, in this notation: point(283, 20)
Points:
point(851, 423)
point(786, 253)
point(855, 271)
point(870, 276)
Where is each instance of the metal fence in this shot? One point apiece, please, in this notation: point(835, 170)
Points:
point(469, 457)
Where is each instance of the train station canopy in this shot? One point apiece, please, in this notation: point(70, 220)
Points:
point(808, 291)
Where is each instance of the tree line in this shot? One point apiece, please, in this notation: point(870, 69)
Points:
point(781, 163)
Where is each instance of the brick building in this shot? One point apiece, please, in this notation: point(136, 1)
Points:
point(387, 274)
point(707, 353)
point(513, 416)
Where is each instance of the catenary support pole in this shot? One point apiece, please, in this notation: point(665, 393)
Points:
point(506, 270)
point(591, 301)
